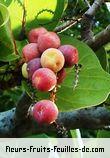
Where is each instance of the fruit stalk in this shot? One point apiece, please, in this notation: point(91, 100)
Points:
point(53, 94)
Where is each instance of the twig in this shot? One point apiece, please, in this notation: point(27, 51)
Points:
point(63, 27)
point(22, 34)
point(15, 46)
point(87, 2)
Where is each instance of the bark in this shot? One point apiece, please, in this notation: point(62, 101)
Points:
point(15, 123)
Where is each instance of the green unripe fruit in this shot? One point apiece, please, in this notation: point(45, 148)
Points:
point(24, 70)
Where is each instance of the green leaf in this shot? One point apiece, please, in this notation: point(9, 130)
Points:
point(102, 56)
point(10, 57)
point(42, 12)
point(94, 83)
point(26, 87)
point(73, 133)
point(20, 45)
point(6, 2)
point(103, 134)
point(61, 4)
point(6, 40)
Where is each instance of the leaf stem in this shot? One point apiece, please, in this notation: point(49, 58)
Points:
point(23, 30)
point(77, 70)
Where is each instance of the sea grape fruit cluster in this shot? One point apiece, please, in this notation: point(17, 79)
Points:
point(45, 62)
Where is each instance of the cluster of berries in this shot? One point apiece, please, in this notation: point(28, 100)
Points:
point(45, 62)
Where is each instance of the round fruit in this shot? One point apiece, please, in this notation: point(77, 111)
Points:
point(71, 55)
point(44, 79)
point(45, 112)
point(24, 70)
point(61, 76)
point(53, 59)
point(34, 34)
point(32, 66)
point(30, 51)
point(48, 40)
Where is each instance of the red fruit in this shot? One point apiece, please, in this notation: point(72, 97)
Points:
point(45, 112)
point(61, 76)
point(34, 34)
point(48, 40)
point(32, 66)
point(53, 59)
point(71, 55)
point(30, 51)
point(44, 79)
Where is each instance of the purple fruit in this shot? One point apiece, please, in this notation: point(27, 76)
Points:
point(32, 66)
point(70, 54)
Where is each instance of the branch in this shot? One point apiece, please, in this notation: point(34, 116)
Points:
point(100, 39)
point(92, 118)
point(7, 123)
point(93, 9)
point(14, 123)
point(87, 20)
point(22, 107)
point(68, 24)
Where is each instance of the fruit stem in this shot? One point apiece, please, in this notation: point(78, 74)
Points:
point(61, 130)
point(53, 94)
